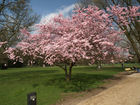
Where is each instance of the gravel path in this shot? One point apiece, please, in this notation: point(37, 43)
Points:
point(126, 92)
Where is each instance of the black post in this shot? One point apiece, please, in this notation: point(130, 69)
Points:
point(31, 98)
point(122, 65)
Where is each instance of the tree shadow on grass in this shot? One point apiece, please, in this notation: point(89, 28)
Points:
point(80, 82)
point(26, 75)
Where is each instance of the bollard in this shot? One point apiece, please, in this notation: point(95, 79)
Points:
point(31, 98)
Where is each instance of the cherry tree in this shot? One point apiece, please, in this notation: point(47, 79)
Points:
point(128, 20)
point(96, 27)
point(88, 34)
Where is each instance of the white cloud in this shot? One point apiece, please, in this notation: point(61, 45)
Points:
point(64, 10)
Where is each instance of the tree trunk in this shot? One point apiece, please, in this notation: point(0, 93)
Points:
point(134, 46)
point(68, 72)
point(43, 65)
point(99, 65)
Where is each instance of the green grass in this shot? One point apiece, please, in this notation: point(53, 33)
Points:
point(49, 83)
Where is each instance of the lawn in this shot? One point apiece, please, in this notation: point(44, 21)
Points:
point(49, 83)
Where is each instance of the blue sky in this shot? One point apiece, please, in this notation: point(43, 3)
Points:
point(50, 8)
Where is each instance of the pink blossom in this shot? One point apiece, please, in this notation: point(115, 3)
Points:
point(2, 43)
point(87, 35)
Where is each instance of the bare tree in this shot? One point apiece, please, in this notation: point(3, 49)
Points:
point(14, 15)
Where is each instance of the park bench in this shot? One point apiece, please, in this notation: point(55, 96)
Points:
point(133, 69)
point(128, 69)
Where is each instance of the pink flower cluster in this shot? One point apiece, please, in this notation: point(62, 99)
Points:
point(88, 34)
point(124, 15)
point(2, 43)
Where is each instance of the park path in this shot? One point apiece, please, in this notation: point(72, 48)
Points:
point(126, 92)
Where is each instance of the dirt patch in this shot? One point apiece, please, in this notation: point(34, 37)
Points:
point(75, 98)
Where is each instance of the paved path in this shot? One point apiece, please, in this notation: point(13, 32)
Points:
point(126, 92)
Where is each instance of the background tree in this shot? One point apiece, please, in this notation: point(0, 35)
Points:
point(4, 4)
point(132, 31)
point(14, 15)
